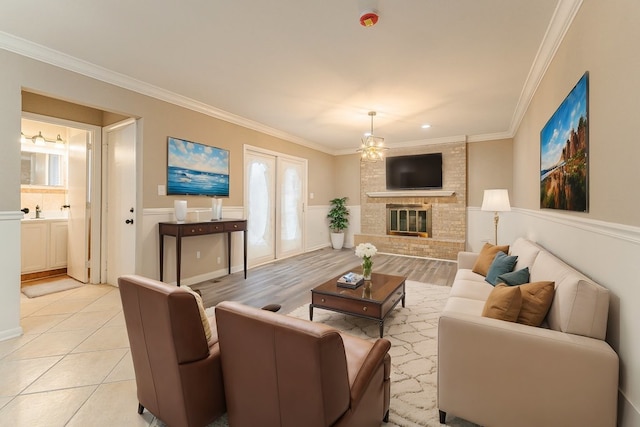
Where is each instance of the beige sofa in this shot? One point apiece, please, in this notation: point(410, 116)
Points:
point(497, 373)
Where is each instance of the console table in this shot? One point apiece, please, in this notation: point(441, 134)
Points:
point(186, 229)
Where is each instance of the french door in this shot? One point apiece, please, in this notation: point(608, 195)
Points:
point(275, 199)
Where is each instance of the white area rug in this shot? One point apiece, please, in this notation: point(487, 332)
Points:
point(34, 291)
point(413, 334)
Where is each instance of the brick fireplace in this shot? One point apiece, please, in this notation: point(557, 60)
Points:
point(442, 214)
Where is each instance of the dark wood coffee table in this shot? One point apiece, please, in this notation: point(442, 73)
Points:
point(372, 300)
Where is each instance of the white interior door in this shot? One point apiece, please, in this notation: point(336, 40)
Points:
point(79, 204)
point(275, 189)
point(119, 201)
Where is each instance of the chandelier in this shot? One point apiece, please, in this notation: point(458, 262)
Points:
point(372, 147)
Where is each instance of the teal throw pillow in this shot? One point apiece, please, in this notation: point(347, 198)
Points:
point(514, 278)
point(501, 264)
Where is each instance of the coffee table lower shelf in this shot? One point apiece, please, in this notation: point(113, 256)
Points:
point(374, 300)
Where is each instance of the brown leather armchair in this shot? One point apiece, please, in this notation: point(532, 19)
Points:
point(178, 374)
point(283, 371)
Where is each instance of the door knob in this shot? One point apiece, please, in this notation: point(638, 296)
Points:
point(129, 221)
point(131, 210)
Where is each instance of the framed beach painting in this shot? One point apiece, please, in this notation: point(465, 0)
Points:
point(196, 169)
point(564, 153)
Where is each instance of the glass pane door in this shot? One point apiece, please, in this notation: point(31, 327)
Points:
point(275, 188)
point(260, 178)
point(291, 195)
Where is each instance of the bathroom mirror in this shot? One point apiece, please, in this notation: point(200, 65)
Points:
point(42, 168)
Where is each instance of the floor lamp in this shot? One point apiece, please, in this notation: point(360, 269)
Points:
point(496, 201)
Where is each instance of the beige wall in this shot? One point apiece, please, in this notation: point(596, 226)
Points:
point(604, 243)
point(347, 178)
point(490, 165)
point(185, 124)
point(602, 40)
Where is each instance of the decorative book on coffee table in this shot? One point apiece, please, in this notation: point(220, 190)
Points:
point(350, 280)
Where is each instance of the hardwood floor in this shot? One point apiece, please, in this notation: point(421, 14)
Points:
point(288, 282)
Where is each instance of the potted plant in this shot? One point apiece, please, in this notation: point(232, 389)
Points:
point(338, 221)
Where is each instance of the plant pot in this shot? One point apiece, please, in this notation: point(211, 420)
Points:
point(337, 240)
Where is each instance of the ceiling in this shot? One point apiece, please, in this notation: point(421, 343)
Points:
point(308, 71)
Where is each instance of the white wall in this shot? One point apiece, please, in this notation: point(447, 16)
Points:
point(10, 268)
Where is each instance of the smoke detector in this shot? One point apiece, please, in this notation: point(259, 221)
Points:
point(369, 18)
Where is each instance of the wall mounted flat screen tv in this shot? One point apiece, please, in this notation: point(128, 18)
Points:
point(419, 172)
point(196, 169)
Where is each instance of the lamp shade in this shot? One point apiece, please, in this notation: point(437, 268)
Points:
point(496, 201)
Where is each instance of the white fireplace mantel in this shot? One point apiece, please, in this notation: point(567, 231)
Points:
point(412, 193)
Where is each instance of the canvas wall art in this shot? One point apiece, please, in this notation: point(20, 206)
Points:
point(196, 169)
point(564, 153)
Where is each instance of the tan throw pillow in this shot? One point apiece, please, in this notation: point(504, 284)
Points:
point(536, 301)
point(203, 315)
point(503, 303)
point(487, 254)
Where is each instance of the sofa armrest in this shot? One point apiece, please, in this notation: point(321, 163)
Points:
point(499, 373)
point(466, 260)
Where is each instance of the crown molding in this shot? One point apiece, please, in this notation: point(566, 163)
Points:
point(50, 56)
point(490, 136)
point(563, 16)
point(561, 20)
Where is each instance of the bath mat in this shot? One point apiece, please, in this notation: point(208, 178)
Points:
point(34, 291)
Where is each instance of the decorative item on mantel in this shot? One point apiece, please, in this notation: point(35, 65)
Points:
point(180, 210)
point(366, 251)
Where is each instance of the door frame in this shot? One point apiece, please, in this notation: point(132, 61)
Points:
point(305, 183)
point(95, 186)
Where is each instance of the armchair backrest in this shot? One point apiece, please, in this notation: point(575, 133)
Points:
point(279, 370)
point(166, 336)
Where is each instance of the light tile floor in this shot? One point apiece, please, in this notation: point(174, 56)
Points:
point(72, 365)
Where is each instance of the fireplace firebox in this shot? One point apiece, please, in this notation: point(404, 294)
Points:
point(409, 220)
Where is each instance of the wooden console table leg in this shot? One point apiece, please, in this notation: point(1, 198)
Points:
point(229, 249)
point(161, 256)
point(178, 258)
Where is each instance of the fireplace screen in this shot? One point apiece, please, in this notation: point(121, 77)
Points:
point(409, 220)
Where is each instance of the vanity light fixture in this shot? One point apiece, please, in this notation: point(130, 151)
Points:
point(39, 139)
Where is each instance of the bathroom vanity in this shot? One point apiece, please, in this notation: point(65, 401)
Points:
point(43, 244)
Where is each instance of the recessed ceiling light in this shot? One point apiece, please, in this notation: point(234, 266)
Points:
point(425, 126)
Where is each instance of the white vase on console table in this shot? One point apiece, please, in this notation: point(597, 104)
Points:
point(180, 210)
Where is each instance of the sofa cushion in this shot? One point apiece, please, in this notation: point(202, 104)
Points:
point(486, 256)
point(502, 263)
point(526, 251)
point(472, 289)
point(464, 305)
point(503, 303)
point(536, 300)
point(514, 278)
point(580, 306)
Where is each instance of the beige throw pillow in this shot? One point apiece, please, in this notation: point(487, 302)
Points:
point(486, 256)
point(203, 314)
point(536, 301)
point(503, 303)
